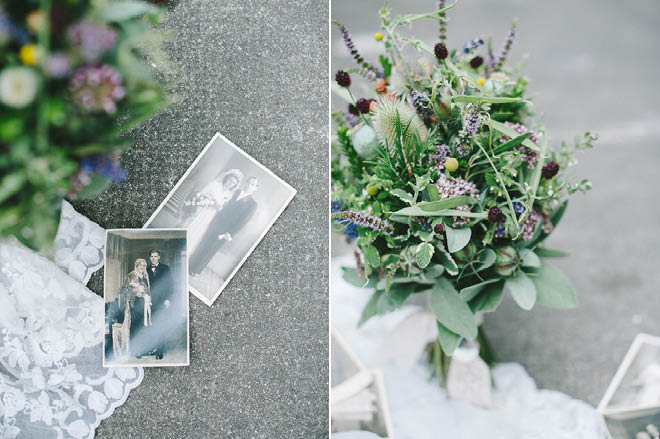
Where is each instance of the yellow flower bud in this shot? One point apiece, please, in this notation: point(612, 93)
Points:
point(29, 54)
point(36, 21)
point(451, 164)
point(481, 81)
point(378, 36)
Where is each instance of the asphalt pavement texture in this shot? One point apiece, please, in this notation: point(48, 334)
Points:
point(593, 67)
point(257, 73)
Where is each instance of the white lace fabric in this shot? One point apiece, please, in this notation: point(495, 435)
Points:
point(52, 382)
point(79, 244)
point(420, 409)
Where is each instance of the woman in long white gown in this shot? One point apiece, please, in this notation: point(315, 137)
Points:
point(200, 207)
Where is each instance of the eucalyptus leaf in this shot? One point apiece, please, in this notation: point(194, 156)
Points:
point(522, 290)
point(352, 277)
point(451, 310)
point(448, 339)
point(469, 293)
point(457, 238)
point(489, 298)
point(486, 259)
point(550, 253)
point(553, 287)
point(529, 258)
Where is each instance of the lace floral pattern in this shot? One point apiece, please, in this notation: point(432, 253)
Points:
point(52, 383)
point(79, 244)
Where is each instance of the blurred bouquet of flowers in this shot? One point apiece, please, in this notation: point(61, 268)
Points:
point(447, 181)
point(73, 79)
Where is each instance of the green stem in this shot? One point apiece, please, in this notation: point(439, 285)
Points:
point(360, 116)
point(44, 45)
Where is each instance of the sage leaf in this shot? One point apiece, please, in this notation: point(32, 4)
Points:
point(522, 290)
point(553, 287)
point(457, 238)
point(403, 195)
point(469, 293)
point(530, 259)
point(487, 99)
point(448, 339)
point(352, 277)
point(448, 262)
point(452, 311)
point(488, 299)
point(550, 253)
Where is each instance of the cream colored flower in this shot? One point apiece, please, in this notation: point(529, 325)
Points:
point(18, 86)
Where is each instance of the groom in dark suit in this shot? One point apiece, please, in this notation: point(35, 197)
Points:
point(160, 281)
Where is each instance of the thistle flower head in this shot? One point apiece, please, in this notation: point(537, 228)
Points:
point(389, 113)
point(97, 88)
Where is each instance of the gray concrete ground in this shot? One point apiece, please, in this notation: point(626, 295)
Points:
point(593, 66)
point(257, 73)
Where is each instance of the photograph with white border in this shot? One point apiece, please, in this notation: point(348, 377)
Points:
point(145, 291)
point(228, 201)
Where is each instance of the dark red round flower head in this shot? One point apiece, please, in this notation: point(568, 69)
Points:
point(476, 62)
point(495, 214)
point(363, 105)
point(441, 51)
point(438, 229)
point(353, 109)
point(550, 170)
point(343, 78)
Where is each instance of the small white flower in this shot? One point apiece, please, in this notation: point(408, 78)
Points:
point(18, 86)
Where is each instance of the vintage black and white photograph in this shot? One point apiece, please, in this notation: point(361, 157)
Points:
point(228, 201)
point(146, 298)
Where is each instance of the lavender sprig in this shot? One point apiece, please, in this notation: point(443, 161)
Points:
point(504, 52)
point(469, 130)
point(350, 45)
point(365, 220)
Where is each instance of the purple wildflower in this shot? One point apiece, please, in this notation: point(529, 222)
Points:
point(57, 65)
point(97, 88)
point(351, 119)
point(439, 157)
point(504, 52)
point(500, 232)
point(350, 45)
point(527, 228)
point(92, 39)
point(469, 130)
point(449, 187)
point(365, 220)
point(518, 207)
point(529, 156)
point(106, 165)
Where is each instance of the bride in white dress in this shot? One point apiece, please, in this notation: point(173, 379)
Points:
point(200, 207)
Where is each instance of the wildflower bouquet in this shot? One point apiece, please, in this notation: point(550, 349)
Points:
point(448, 182)
point(72, 81)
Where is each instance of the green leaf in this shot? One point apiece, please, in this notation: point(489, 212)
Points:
point(417, 211)
point(522, 290)
point(434, 271)
point(451, 310)
point(487, 99)
point(510, 132)
point(96, 185)
point(457, 238)
point(424, 254)
point(371, 256)
point(125, 10)
point(371, 308)
point(432, 191)
point(512, 143)
point(469, 293)
point(501, 116)
point(403, 195)
point(529, 258)
point(489, 298)
point(550, 253)
point(11, 184)
point(447, 203)
point(553, 287)
point(558, 213)
point(352, 277)
point(487, 259)
point(448, 339)
point(448, 262)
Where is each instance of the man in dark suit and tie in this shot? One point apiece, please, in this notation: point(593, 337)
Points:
point(160, 281)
